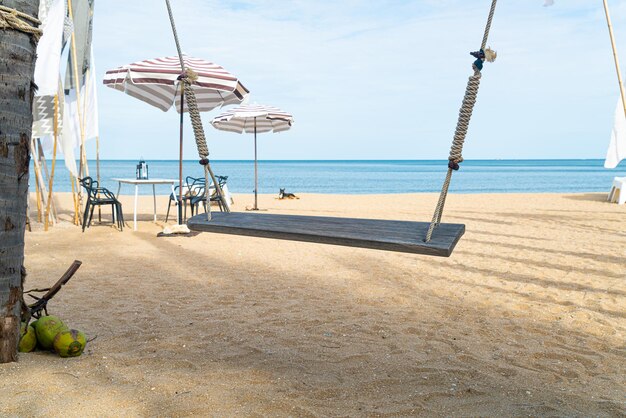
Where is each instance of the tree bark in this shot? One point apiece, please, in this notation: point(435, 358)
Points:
point(17, 64)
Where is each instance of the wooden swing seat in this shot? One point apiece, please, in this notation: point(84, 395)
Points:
point(378, 234)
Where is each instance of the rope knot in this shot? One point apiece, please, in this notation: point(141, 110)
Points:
point(481, 56)
point(189, 76)
point(192, 76)
point(453, 165)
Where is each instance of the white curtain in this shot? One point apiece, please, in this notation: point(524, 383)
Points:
point(89, 94)
point(49, 49)
point(70, 138)
point(617, 146)
point(67, 141)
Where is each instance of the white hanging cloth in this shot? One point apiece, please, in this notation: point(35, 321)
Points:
point(49, 49)
point(617, 146)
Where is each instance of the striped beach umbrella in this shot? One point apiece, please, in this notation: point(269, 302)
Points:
point(253, 118)
point(156, 82)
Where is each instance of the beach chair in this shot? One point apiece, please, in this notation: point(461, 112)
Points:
point(176, 197)
point(190, 189)
point(100, 196)
point(200, 195)
point(618, 191)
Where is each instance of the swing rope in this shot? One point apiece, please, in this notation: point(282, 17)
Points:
point(465, 114)
point(187, 77)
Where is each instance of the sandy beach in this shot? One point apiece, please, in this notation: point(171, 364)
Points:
point(526, 318)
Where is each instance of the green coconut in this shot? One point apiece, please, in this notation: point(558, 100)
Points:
point(70, 343)
point(47, 327)
point(28, 338)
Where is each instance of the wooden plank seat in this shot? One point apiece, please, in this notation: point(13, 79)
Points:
point(379, 234)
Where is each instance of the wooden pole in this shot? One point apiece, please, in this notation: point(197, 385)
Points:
point(98, 173)
point(51, 203)
point(180, 162)
point(76, 200)
point(619, 72)
point(83, 115)
point(40, 186)
point(79, 213)
point(28, 215)
point(42, 174)
point(43, 168)
point(46, 175)
point(256, 172)
point(55, 120)
point(38, 196)
point(98, 158)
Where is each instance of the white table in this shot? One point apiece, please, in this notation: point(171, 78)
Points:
point(138, 183)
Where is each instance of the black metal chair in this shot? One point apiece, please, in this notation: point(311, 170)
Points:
point(190, 188)
point(99, 196)
point(200, 196)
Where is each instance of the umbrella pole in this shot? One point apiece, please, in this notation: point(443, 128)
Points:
point(180, 161)
point(256, 171)
point(98, 173)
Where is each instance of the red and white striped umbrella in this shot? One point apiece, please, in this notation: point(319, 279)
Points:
point(246, 117)
point(253, 119)
point(156, 82)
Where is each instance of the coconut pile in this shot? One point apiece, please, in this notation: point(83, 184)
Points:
point(50, 333)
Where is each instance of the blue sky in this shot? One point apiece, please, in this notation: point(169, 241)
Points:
point(374, 79)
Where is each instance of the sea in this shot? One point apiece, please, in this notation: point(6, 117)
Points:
point(369, 176)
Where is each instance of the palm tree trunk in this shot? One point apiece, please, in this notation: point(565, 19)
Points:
point(17, 64)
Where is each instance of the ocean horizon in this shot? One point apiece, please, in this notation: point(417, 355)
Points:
point(369, 176)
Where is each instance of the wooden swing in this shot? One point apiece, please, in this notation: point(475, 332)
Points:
point(428, 238)
point(378, 234)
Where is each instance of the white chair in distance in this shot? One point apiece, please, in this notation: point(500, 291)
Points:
point(618, 191)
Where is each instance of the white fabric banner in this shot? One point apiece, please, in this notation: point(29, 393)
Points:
point(70, 139)
point(617, 146)
point(67, 141)
point(89, 94)
point(49, 50)
point(43, 116)
point(47, 138)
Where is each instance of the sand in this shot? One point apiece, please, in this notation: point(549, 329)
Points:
point(527, 318)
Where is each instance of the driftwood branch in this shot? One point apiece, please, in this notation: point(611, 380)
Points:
point(42, 302)
point(36, 291)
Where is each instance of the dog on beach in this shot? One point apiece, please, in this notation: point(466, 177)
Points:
point(282, 194)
